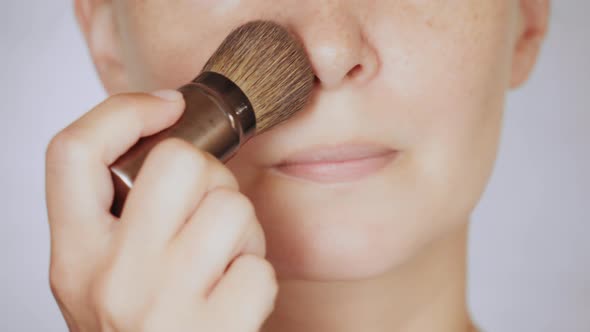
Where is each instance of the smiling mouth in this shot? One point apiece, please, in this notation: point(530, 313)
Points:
point(343, 163)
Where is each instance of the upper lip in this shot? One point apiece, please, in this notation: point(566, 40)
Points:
point(336, 154)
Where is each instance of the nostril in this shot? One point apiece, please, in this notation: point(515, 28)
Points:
point(355, 71)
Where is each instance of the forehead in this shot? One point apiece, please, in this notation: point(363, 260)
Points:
point(393, 5)
point(216, 14)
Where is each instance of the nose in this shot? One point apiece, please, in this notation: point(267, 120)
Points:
point(337, 44)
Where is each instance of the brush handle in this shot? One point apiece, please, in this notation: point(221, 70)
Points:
point(218, 118)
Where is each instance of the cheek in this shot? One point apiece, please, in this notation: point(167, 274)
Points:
point(166, 45)
point(450, 80)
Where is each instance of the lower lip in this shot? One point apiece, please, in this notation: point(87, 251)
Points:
point(337, 171)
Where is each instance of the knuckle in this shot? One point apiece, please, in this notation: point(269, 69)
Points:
point(260, 271)
point(266, 273)
point(60, 281)
point(236, 202)
point(65, 147)
point(266, 282)
point(178, 153)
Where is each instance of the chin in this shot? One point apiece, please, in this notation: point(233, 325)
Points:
point(338, 232)
point(333, 253)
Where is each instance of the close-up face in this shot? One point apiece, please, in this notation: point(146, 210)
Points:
point(400, 137)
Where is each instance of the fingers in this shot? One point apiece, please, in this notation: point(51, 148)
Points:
point(247, 292)
point(224, 226)
point(116, 124)
point(167, 190)
point(183, 224)
point(78, 181)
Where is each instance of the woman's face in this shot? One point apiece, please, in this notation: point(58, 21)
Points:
point(417, 85)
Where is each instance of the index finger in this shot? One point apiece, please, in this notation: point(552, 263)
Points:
point(78, 181)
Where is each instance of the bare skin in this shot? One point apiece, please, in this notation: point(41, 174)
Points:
point(424, 81)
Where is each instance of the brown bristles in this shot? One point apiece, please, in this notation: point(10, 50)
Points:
point(270, 66)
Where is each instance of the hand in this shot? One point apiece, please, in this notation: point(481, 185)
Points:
point(187, 253)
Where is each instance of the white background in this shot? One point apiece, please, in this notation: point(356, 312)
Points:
point(530, 248)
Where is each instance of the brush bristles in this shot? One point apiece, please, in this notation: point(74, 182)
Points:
point(270, 66)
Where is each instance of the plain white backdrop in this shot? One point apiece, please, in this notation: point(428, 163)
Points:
point(530, 244)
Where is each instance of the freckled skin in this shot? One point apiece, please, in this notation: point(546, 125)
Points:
point(430, 78)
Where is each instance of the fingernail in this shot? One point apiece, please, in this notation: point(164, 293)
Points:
point(169, 95)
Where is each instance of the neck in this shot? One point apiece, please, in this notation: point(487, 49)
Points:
point(426, 294)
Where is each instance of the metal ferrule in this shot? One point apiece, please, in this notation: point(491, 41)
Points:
point(218, 118)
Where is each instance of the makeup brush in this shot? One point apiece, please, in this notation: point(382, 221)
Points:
point(258, 77)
